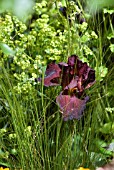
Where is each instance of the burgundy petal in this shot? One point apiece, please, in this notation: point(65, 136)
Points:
point(75, 64)
point(61, 64)
point(52, 75)
point(71, 107)
point(88, 78)
point(66, 77)
point(91, 76)
point(72, 85)
point(82, 70)
point(72, 60)
point(79, 84)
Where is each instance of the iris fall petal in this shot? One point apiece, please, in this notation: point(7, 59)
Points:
point(71, 107)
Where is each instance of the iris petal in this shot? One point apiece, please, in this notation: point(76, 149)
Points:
point(71, 107)
point(52, 75)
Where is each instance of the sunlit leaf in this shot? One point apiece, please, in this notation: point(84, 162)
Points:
point(6, 49)
point(22, 8)
point(112, 47)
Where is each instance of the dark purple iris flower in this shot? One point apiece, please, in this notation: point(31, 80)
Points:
point(74, 77)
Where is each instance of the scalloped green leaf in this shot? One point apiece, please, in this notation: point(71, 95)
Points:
point(101, 72)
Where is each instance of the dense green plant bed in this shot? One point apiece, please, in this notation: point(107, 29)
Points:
point(58, 43)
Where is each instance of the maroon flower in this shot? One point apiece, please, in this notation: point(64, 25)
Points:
point(74, 77)
point(63, 73)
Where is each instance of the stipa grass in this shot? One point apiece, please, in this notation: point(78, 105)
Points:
point(42, 140)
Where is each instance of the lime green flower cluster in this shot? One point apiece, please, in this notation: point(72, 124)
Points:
point(34, 44)
point(44, 37)
point(49, 35)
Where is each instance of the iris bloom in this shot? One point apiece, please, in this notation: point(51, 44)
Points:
point(74, 77)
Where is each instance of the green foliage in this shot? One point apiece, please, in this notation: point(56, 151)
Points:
point(94, 6)
point(32, 132)
point(101, 72)
point(40, 41)
point(20, 8)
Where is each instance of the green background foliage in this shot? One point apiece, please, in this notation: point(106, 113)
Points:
point(32, 132)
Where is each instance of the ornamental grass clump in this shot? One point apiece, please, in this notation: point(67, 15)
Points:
point(74, 77)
